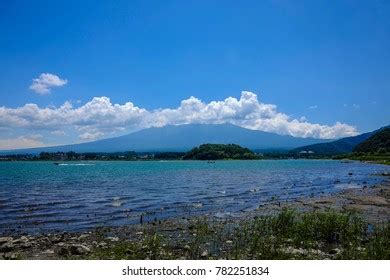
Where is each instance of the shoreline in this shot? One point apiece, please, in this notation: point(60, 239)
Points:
point(176, 236)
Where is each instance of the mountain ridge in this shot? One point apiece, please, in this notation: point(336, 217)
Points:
point(182, 138)
point(379, 142)
point(341, 146)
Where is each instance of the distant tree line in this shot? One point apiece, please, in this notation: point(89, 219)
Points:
point(203, 152)
point(220, 151)
point(64, 156)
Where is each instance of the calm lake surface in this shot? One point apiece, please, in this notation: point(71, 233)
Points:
point(41, 196)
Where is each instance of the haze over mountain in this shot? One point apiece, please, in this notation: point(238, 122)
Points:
point(183, 138)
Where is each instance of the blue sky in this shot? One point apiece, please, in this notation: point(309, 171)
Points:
point(311, 64)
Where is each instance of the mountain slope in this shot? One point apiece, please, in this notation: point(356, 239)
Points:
point(341, 146)
point(183, 138)
point(379, 142)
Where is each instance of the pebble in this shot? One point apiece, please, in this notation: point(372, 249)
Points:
point(5, 240)
point(79, 249)
point(7, 247)
point(83, 236)
point(294, 251)
point(113, 239)
point(10, 256)
point(335, 251)
point(61, 244)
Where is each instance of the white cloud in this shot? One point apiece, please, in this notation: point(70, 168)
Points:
point(356, 106)
point(29, 141)
point(247, 112)
point(313, 107)
point(90, 136)
point(45, 81)
point(58, 133)
point(100, 118)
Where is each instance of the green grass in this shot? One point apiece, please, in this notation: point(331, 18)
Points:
point(373, 157)
point(287, 235)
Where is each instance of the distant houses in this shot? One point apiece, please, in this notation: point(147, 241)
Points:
point(306, 152)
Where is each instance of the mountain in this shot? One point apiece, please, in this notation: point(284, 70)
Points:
point(183, 138)
point(377, 143)
point(341, 146)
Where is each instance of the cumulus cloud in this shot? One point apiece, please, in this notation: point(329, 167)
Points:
point(247, 112)
point(100, 118)
point(45, 82)
point(29, 141)
point(313, 107)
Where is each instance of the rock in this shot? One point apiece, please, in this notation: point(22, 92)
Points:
point(83, 236)
point(113, 239)
point(317, 253)
point(5, 240)
point(49, 252)
point(17, 241)
point(294, 251)
point(187, 247)
point(10, 256)
point(204, 254)
point(45, 240)
point(26, 244)
point(58, 239)
point(229, 242)
point(102, 244)
point(79, 249)
point(23, 242)
point(335, 251)
point(61, 244)
point(7, 247)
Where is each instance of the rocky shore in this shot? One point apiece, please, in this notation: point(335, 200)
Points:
point(209, 237)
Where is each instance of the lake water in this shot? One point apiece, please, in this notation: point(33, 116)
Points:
point(41, 196)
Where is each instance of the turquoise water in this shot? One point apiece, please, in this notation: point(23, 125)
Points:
point(41, 196)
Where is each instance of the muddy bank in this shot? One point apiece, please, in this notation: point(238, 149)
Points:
point(211, 237)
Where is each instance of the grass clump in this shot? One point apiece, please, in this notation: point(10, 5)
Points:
point(326, 234)
point(286, 235)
